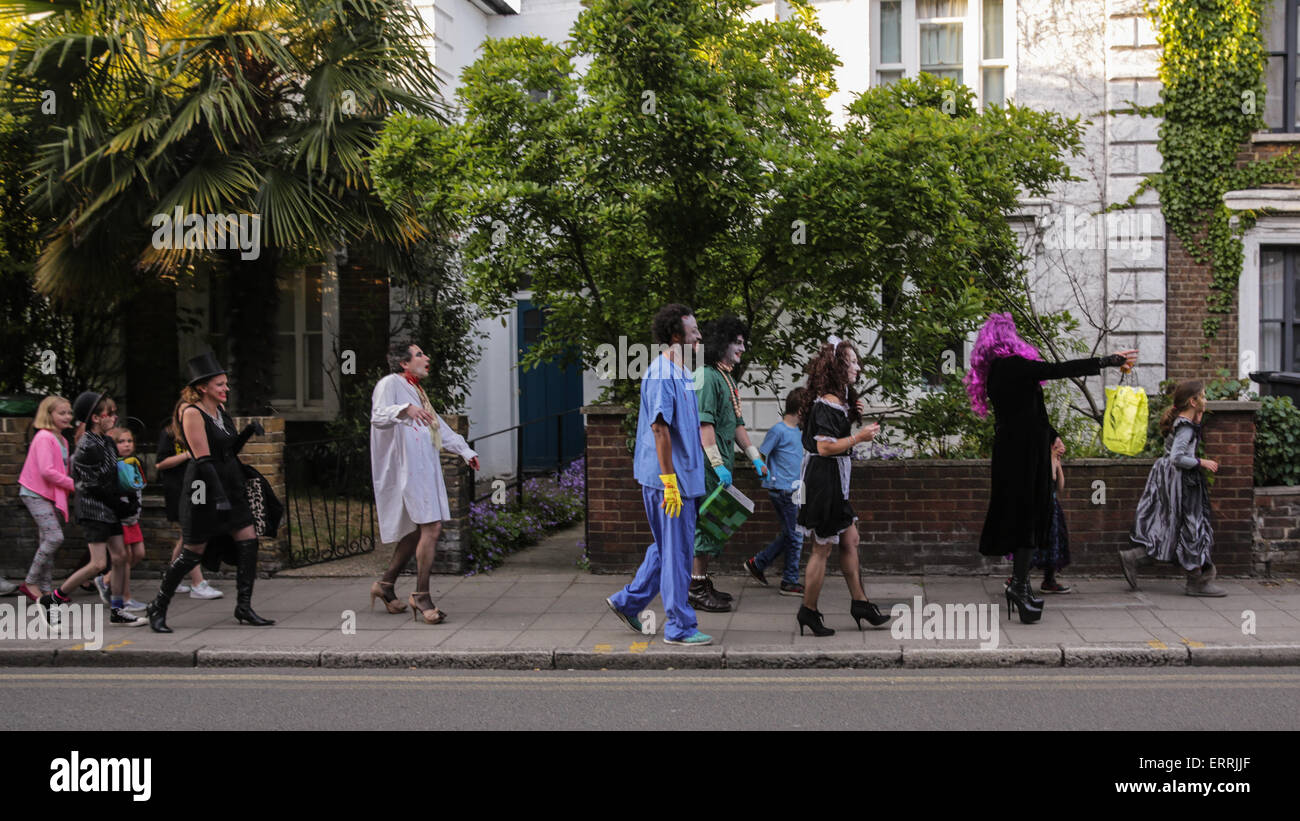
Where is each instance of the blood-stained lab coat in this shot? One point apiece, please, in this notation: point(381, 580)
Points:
point(409, 488)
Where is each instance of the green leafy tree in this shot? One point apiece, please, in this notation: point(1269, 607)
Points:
point(693, 159)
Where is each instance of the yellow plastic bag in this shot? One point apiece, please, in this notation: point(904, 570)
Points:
point(1124, 429)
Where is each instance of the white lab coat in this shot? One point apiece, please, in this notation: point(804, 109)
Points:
point(409, 488)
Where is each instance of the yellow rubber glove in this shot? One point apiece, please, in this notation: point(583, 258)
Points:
point(672, 496)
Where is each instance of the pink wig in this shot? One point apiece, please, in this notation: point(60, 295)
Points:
point(997, 339)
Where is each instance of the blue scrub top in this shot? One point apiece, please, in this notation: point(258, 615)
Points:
point(666, 392)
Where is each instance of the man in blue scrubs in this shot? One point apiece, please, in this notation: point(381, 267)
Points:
point(669, 466)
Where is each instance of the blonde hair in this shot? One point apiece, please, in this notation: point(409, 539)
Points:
point(45, 413)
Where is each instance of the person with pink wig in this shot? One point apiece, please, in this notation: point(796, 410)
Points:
point(1006, 374)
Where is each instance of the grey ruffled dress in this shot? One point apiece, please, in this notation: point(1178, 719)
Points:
point(1173, 516)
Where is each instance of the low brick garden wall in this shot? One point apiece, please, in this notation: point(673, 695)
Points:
point(18, 534)
point(923, 516)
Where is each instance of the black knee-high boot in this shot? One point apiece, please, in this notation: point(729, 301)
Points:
point(244, 578)
point(157, 611)
point(1020, 571)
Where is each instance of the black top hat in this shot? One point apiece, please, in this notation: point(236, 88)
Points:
point(85, 405)
point(203, 367)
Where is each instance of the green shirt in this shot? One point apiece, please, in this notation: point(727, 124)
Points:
point(716, 408)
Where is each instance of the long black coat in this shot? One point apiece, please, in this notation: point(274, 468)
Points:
point(1020, 504)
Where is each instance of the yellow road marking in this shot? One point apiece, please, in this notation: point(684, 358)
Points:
point(1158, 644)
point(638, 646)
point(119, 644)
point(1191, 643)
point(604, 648)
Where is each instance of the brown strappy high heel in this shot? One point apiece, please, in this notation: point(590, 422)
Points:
point(431, 616)
point(393, 605)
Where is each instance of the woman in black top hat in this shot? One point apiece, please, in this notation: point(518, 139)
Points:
point(212, 498)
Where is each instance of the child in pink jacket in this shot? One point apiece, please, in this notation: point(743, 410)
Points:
point(44, 486)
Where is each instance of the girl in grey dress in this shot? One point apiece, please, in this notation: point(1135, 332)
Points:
point(1173, 517)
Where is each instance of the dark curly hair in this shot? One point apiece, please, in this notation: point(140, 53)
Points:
point(718, 334)
point(828, 373)
point(668, 323)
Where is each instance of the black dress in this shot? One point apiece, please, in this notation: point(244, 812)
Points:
point(1020, 502)
point(200, 522)
point(825, 512)
point(171, 477)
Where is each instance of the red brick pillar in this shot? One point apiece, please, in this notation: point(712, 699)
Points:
point(1230, 441)
point(617, 530)
point(453, 544)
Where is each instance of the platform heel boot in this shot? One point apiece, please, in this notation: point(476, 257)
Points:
point(244, 578)
point(1018, 599)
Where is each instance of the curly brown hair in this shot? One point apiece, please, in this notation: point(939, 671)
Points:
point(828, 373)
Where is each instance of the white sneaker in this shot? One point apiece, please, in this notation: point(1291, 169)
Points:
point(132, 604)
point(182, 588)
point(7, 587)
point(205, 591)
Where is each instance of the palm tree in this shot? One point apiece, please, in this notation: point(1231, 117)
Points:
point(216, 107)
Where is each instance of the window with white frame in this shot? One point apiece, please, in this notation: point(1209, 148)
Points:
point(299, 338)
point(1279, 313)
point(961, 39)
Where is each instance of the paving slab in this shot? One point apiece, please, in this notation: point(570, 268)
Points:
point(531, 620)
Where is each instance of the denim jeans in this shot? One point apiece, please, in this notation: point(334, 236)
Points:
point(788, 540)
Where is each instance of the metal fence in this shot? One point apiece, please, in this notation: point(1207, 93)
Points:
point(518, 483)
point(329, 500)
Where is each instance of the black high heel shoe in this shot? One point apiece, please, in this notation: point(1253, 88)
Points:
point(1036, 601)
point(1017, 599)
point(860, 610)
point(812, 619)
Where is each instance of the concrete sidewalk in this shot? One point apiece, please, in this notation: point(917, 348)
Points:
point(525, 619)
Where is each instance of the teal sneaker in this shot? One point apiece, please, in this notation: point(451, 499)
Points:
point(632, 622)
point(696, 639)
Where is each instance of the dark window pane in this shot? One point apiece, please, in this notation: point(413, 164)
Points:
point(1274, 25)
point(1271, 283)
point(532, 326)
point(286, 368)
point(313, 317)
point(1270, 337)
point(315, 367)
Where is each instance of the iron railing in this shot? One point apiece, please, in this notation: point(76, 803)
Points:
point(518, 483)
point(330, 502)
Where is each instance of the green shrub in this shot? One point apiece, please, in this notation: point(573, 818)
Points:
point(1277, 442)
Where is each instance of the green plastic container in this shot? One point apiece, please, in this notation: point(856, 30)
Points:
point(724, 511)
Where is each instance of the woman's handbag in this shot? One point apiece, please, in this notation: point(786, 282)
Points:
point(1124, 428)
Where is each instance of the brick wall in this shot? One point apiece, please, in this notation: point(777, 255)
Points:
point(924, 516)
point(1277, 530)
point(1189, 355)
point(18, 535)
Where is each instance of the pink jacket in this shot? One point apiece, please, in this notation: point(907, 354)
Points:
point(45, 472)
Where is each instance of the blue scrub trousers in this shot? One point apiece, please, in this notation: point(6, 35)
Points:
point(666, 569)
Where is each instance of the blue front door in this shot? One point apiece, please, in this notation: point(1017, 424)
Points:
point(546, 390)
